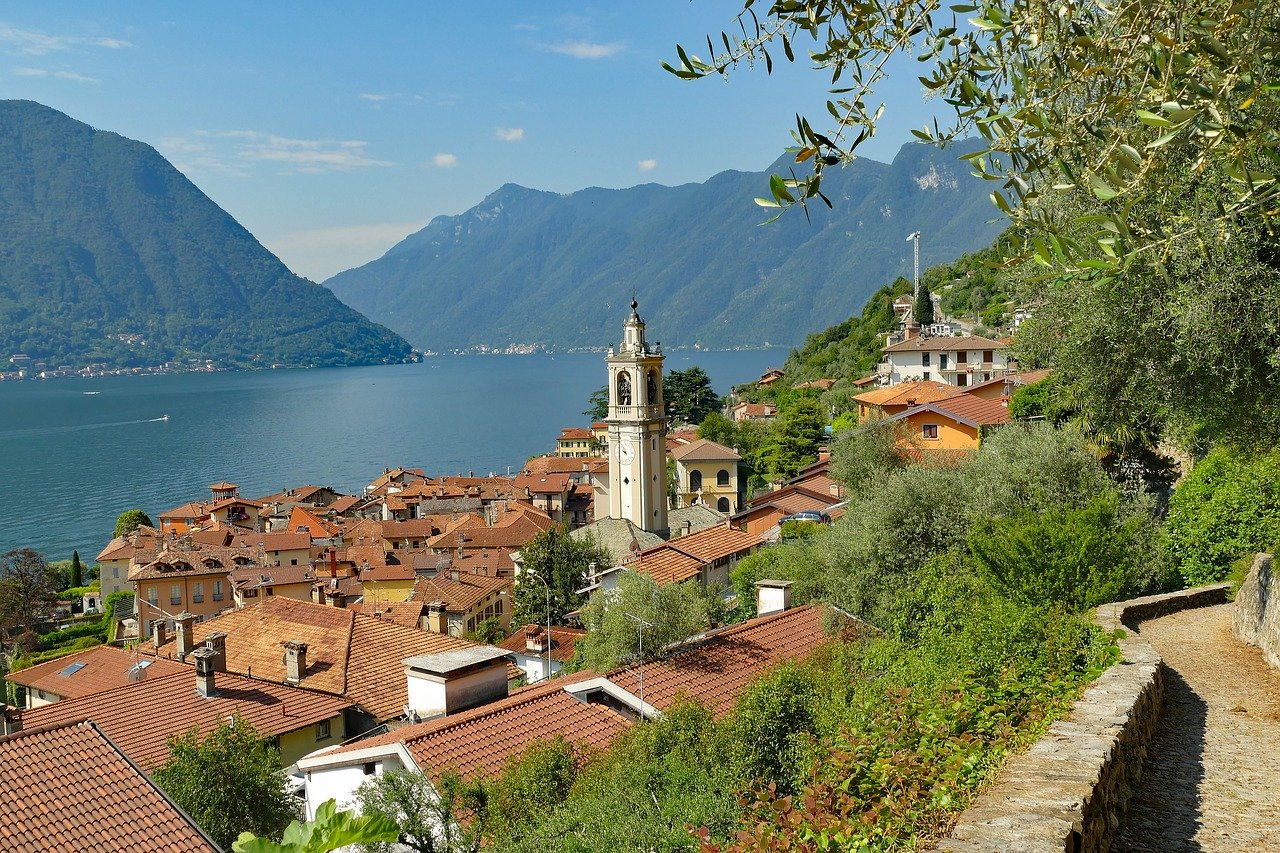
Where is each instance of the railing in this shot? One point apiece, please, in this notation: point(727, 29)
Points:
point(644, 412)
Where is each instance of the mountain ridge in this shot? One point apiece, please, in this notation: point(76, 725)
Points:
point(533, 267)
point(109, 255)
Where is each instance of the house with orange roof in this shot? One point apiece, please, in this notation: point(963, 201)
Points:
point(585, 708)
point(533, 645)
point(122, 555)
point(753, 412)
point(185, 577)
point(457, 602)
point(321, 530)
point(574, 443)
point(184, 518)
point(705, 556)
point(600, 437)
point(141, 717)
point(339, 651)
point(68, 786)
point(769, 377)
point(237, 511)
point(959, 360)
point(389, 581)
point(250, 584)
point(90, 671)
point(895, 399)
point(956, 423)
point(708, 473)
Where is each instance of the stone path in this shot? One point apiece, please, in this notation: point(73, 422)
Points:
point(1212, 777)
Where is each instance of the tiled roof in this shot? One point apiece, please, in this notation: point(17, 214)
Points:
point(908, 393)
point(415, 528)
point(552, 464)
point(226, 502)
point(460, 595)
point(667, 565)
point(202, 560)
point(141, 717)
point(545, 484)
point(402, 572)
point(698, 517)
point(563, 642)
point(67, 787)
point(957, 342)
point(715, 670)
point(348, 653)
point(681, 559)
point(276, 541)
point(191, 509)
point(254, 577)
point(343, 504)
point(223, 486)
point(619, 536)
point(967, 409)
point(90, 671)
point(756, 410)
point(704, 449)
point(316, 526)
point(407, 614)
point(574, 434)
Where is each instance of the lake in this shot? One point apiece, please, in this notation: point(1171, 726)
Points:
point(75, 453)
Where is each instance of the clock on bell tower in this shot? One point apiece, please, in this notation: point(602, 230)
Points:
point(637, 430)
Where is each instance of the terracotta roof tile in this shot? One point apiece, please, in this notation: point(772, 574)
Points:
point(967, 409)
point(564, 642)
point(68, 787)
point(141, 717)
point(908, 393)
point(574, 434)
point(99, 668)
point(462, 594)
point(704, 449)
point(938, 343)
point(681, 559)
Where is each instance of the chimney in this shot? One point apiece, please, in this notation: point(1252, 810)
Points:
point(336, 598)
point(217, 643)
point(437, 622)
point(160, 632)
point(448, 682)
point(205, 672)
point(455, 575)
point(12, 721)
point(912, 331)
point(535, 639)
point(183, 622)
point(772, 596)
point(295, 661)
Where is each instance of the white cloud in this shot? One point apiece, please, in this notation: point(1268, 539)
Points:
point(377, 99)
point(445, 161)
point(585, 49)
point(231, 151)
point(647, 165)
point(509, 134)
point(528, 28)
point(319, 253)
point(368, 96)
point(36, 43)
point(60, 75)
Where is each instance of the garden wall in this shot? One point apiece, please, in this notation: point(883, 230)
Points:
point(1256, 618)
point(1067, 793)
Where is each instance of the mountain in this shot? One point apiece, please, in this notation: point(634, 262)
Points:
point(109, 255)
point(532, 267)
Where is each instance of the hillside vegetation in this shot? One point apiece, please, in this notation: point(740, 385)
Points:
point(109, 255)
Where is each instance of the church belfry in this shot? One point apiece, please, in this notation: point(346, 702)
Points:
point(637, 430)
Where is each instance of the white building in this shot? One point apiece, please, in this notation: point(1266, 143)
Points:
point(637, 428)
point(960, 361)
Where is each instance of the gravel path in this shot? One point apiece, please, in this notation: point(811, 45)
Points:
point(1212, 777)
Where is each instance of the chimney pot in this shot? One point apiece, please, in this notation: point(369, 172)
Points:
point(295, 659)
point(454, 575)
point(205, 685)
point(183, 622)
point(159, 632)
point(772, 596)
point(217, 643)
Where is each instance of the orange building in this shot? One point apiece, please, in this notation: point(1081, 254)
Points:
point(955, 423)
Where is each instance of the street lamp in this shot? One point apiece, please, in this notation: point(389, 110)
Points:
point(547, 585)
point(643, 624)
point(914, 237)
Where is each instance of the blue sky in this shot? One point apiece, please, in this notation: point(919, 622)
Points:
point(332, 131)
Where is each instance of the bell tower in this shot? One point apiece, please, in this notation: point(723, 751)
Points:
point(637, 430)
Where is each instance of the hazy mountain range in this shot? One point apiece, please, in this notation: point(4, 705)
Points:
point(532, 267)
point(109, 255)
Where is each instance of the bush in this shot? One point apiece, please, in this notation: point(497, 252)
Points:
point(1228, 506)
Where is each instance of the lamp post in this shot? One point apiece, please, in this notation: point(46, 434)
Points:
point(914, 237)
point(643, 624)
point(547, 586)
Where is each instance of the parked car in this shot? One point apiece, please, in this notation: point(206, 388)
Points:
point(817, 516)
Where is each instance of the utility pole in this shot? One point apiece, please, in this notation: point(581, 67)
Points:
point(914, 237)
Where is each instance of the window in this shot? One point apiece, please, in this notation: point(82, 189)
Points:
point(722, 478)
point(926, 376)
point(197, 592)
point(986, 356)
point(153, 596)
point(217, 590)
point(962, 357)
point(695, 481)
point(929, 431)
point(115, 571)
point(370, 768)
point(942, 361)
point(722, 505)
point(322, 730)
point(175, 593)
point(270, 591)
point(924, 359)
point(962, 379)
point(293, 562)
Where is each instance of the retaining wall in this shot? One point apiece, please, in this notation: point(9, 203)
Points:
point(1067, 793)
point(1256, 617)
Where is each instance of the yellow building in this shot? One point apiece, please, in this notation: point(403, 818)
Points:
point(388, 584)
point(457, 602)
point(574, 443)
point(955, 424)
point(707, 473)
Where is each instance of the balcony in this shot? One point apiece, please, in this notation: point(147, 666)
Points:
point(648, 413)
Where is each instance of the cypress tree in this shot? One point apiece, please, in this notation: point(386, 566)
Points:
point(924, 306)
point(77, 570)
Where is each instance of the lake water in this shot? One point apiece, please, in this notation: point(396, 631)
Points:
point(71, 461)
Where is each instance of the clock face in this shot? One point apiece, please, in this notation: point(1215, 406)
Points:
point(625, 454)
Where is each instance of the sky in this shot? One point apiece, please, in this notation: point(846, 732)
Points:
point(332, 131)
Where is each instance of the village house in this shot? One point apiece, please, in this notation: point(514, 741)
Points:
point(142, 716)
point(84, 673)
point(708, 473)
point(959, 361)
point(574, 443)
point(250, 584)
point(753, 412)
point(895, 399)
point(956, 423)
point(457, 602)
point(68, 786)
point(585, 708)
point(534, 645)
point(122, 555)
point(185, 577)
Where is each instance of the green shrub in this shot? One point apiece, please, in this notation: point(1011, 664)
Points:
point(1228, 506)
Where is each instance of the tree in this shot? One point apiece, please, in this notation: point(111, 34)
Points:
point(674, 612)
point(923, 309)
point(331, 830)
point(598, 404)
point(230, 782)
point(1129, 190)
point(867, 454)
point(426, 814)
point(554, 558)
point(130, 520)
point(689, 396)
point(28, 589)
point(716, 427)
point(77, 570)
point(795, 438)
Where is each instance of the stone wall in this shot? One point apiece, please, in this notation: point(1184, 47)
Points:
point(1066, 794)
point(1256, 617)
